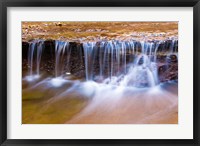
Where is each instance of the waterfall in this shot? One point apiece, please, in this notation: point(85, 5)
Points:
point(61, 51)
point(172, 46)
point(155, 51)
point(30, 57)
point(143, 72)
point(88, 56)
point(35, 53)
point(125, 63)
point(101, 60)
point(39, 55)
point(114, 66)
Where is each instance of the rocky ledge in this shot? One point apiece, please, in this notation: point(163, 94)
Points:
point(167, 60)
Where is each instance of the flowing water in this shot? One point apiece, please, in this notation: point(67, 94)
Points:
point(139, 70)
point(62, 53)
point(34, 57)
point(118, 74)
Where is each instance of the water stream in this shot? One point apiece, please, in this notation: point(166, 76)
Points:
point(116, 63)
point(120, 81)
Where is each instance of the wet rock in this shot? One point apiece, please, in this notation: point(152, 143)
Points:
point(25, 46)
point(172, 59)
point(168, 72)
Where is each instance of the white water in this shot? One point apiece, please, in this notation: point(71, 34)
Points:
point(62, 52)
point(34, 57)
point(110, 103)
point(126, 89)
point(121, 63)
point(140, 70)
point(35, 47)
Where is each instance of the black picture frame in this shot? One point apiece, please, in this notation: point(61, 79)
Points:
point(4, 4)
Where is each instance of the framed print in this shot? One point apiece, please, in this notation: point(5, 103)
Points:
point(99, 72)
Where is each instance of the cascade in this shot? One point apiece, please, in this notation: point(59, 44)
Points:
point(125, 63)
point(34, 57)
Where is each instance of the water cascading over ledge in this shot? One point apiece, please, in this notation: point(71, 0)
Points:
point(129, 63)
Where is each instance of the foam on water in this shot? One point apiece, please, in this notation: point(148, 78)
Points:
point(57, 82)
point(31, 78)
